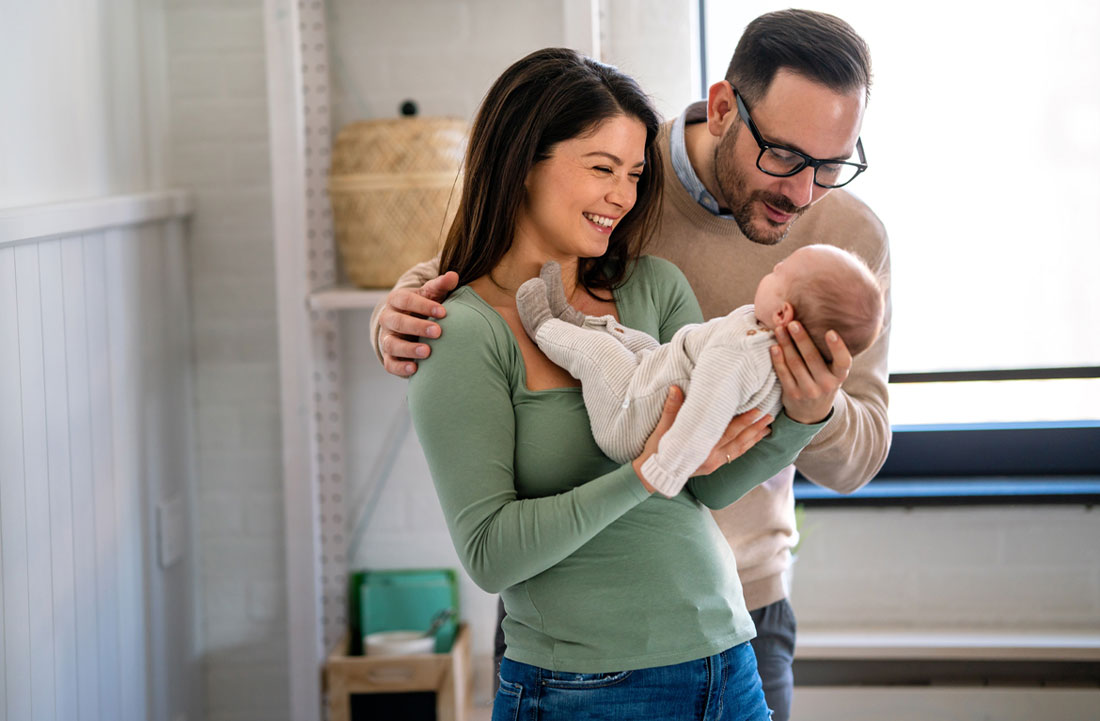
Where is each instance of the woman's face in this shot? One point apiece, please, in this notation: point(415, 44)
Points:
point(577, 196)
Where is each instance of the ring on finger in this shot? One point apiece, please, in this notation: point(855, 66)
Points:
point(728, 459)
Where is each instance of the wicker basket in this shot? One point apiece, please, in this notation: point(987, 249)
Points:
point(391, 184)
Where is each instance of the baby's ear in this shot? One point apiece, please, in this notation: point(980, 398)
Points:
point(785, 314)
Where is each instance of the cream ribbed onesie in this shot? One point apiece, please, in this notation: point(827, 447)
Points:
point(723, 367)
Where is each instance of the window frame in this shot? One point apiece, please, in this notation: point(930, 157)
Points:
point(981, 463)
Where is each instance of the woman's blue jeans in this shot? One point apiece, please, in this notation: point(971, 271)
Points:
point(723, 687)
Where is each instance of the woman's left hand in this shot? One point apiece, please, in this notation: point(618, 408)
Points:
point(809, 384)
point(743, 432)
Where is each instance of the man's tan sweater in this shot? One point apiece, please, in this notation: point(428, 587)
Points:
point(724, 267)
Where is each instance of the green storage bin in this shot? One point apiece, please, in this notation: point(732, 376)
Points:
point(398, 600)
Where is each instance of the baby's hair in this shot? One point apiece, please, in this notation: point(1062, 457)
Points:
point(844, 296)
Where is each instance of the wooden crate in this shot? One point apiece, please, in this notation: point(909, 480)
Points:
point(447, 674)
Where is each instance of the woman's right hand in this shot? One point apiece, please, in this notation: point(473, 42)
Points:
point(742, 433)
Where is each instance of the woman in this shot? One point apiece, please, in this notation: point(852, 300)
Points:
point(619, 604)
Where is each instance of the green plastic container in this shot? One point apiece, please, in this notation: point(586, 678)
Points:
point(401, 600)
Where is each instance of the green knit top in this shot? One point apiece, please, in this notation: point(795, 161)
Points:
point(596, 574)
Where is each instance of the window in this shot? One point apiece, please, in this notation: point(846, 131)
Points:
point(983, 140)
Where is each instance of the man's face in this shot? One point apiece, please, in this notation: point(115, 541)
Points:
point(797, 113)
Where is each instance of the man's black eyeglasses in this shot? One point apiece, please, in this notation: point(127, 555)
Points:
point(783, 162)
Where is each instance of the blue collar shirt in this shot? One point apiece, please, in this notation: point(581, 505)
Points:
point(682, 164)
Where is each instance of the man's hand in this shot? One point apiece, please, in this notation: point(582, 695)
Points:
point(404, 319)
point(809, 384)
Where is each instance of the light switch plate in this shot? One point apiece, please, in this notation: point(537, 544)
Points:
point(171, 538)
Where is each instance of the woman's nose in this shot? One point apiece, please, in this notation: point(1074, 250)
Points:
point(623, 194)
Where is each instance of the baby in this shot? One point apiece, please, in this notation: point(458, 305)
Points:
point(723, 365)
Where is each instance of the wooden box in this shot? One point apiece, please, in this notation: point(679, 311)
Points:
point(447, 674)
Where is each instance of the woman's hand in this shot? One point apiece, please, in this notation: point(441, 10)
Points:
point(743, 432)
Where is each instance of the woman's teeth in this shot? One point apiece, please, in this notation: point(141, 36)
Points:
point(600, 220)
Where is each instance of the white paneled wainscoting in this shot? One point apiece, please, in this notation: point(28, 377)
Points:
point(97, 613)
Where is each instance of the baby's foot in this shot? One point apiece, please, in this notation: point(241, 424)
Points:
point(534, 310)
point(555, 295)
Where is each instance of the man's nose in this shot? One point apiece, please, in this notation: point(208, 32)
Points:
point(799, 188)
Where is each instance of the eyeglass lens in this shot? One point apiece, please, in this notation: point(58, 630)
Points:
point(777, 161)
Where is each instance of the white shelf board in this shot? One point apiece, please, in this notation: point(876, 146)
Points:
point(948, 645)
point(347, 297)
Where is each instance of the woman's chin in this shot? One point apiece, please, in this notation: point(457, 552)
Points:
point(595, 250)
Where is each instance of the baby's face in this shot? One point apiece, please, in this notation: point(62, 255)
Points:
point(774, 289)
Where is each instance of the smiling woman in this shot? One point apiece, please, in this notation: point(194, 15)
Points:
point(577, 196)
point(604, 616)
point(531, 119)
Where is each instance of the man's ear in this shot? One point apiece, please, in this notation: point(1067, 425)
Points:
point(720, 105)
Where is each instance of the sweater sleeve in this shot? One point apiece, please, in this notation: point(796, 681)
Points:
point(853, 445)
point(414, 277)
point(461, 405)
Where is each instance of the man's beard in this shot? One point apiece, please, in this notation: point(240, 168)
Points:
point(731, 184)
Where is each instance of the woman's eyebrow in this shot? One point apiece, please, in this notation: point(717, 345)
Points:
point(613, 158)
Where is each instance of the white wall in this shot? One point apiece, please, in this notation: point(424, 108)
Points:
point(658, 44)
point(110, 97)
point(96, 370)
point(76, 119)
point(217, 148)
point(95, 435)
point(444, 55)
point(1011, 568)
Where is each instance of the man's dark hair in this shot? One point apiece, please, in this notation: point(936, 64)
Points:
point(818, 46)
point(550, 96)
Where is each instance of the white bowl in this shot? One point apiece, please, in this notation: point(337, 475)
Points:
point(398, 643)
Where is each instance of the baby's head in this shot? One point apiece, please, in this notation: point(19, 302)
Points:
point(824, 288)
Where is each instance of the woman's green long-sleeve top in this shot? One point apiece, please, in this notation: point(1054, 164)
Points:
point(596, 574)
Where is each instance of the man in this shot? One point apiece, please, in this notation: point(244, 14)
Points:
point(751, 177)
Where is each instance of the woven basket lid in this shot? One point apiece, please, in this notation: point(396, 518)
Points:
point(400, 145)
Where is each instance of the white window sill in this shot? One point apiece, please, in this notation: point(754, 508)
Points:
point(947, 645)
